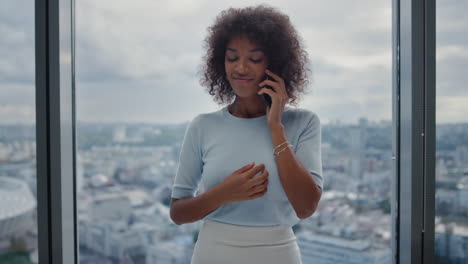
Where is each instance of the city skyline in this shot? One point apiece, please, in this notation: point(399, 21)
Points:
point(133, 181)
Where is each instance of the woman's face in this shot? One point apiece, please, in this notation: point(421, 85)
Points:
point(245, 64)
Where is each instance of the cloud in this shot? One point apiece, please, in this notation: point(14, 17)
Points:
point(330, 108)
point(137, 61)
point(451, 78)
point(160, 45)
point(17, 42)
point(17, 114)
point(144, 101)
point(17, 93)
point(450, 109)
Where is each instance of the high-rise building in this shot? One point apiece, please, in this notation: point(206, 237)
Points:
point(324, 249)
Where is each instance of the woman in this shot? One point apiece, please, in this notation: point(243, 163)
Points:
point(249, 210)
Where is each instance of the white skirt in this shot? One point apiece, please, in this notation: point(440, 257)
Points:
point(220, 243)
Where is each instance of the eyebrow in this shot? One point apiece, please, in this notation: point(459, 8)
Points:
point(253, 50)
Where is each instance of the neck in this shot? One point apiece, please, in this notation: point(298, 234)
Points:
point(247, 108)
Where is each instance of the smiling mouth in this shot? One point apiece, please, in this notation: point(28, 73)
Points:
point(242, 80)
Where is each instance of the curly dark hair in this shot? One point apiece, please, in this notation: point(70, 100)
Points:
point(270, 29)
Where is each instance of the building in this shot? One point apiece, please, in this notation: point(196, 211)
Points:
point(17, 206)
point(111, 207)
point(451, 242)
point(112, 239)
point(324, 249)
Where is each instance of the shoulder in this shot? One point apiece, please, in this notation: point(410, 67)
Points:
point(301, 116)
point(206, 119)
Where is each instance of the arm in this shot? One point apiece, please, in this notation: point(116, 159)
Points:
point(298, 183)
point(189, 209)
point(192, 209)
point(295, 169)
point(239, 186)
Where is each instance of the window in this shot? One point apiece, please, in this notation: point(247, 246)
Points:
point(18, 203)
point(451, 221)
point(128, 143)
point(112, 187)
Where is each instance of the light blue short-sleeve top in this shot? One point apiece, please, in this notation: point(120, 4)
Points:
point(218, 143)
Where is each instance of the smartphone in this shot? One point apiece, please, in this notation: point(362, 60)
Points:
point(266, 97)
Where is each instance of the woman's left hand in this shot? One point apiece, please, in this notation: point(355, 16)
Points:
point(279, 98)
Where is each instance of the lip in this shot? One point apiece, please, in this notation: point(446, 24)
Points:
point(242, 80)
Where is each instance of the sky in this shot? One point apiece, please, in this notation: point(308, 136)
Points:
point(137, 61)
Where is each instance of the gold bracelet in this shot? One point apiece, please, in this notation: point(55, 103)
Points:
point(277, 153)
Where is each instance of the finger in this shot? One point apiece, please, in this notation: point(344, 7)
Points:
point(245, 168)
point(267, 91)
point(257, 195)
point(280, 84)
point(259, 183)
point(260, 179)
point(274, 76)
point(262, 184)
point(261, 188)
point(253, 171)
point(276, 86)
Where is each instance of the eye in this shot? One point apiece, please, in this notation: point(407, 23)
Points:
point(253, 60)
point(256, 61)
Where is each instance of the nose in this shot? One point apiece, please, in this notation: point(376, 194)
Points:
point(241, 66)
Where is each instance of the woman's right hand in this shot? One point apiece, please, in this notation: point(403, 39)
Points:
point(241, 186)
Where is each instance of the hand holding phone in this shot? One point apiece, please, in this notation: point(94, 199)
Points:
point(266, 97)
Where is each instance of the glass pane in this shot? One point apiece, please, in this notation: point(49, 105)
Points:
point(137, 86)
point(451, 221)
point(18, 204)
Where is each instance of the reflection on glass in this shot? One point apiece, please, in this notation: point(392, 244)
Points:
point(137, 60)
point(451, 221)
point(18, 204)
